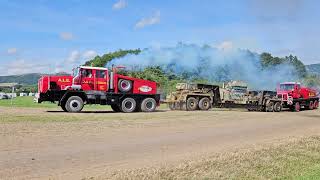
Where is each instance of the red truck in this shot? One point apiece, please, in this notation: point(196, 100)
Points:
point(95, 85)
point(295, 96)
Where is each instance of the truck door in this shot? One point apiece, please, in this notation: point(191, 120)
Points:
point(87, 80)
point(101, 80)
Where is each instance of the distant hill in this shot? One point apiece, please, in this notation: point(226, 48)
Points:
point(25, 79)
point(313, 68)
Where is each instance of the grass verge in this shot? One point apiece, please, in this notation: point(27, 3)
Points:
point(297, 159)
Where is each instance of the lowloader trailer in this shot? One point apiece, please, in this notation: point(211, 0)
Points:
point(193, 97)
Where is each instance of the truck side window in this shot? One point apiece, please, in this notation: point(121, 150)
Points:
point(101, 74)
point(87, 73)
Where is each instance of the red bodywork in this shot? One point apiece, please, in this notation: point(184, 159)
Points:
point(98, 81)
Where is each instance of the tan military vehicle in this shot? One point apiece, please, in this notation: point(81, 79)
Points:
point(192, 97)
point(234, 93)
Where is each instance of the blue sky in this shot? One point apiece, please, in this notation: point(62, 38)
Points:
point(52, 36)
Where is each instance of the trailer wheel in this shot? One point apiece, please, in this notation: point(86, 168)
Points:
point(269, 107)
point(297, 107)
point(316, 104)
point(115, 108)
point(192, 104)
point(128, 105)
point(204, 104)
point(74, 104)
point(277, 107)
point(311, 105)
point(124, 85)
point(148, 105)
point(171, 106)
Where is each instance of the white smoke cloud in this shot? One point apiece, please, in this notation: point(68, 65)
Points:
point(154, 19)
point(210, 63)
point(120, 5)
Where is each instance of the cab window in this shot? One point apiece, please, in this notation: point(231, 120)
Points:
point(101, 74)
point(87, 73)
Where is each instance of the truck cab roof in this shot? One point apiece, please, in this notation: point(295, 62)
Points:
point(96, 68)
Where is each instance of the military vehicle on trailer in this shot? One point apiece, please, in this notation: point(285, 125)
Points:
point(192, 97)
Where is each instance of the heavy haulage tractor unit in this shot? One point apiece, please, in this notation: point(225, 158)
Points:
point(295, 96)
point(192, 97)
point(93, 85)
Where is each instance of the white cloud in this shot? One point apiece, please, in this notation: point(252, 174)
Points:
point(89, 54)
point(120, 5)
point(226, 45)
point(12, 51)
point(73, 57)
point(154, 19)
point(22, 66)
point(66, 36)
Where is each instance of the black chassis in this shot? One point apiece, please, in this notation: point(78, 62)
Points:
point(93, 97)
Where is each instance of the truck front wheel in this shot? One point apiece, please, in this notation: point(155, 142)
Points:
point(297, 107)
point(74, 104)
point(269, 107)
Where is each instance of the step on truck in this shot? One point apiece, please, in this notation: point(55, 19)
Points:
point(95, 85)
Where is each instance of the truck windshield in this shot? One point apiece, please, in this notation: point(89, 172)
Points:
point(239, 89)
point(75, 72)
point(286, 87)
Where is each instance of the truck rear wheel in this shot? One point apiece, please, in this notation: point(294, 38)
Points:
point(316, 104)
point(204, 104)
point(148, 105)
point(311, 105)
point(128, 105)
point(74, 104)
point(192, 104)
point(269, 107)
point(277, 107)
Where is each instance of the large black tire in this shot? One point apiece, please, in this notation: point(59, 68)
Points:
point(124, 85)
point(297, 107)
point(311, 105)
point(192, 104)
point(316, 104)
point(171, 106)
point(204, 104)
point(63, 107)
point(128, 105)
point(269, 107)
point(115, 108)
point(277, 107)
point(148, 105)
point(74, 104)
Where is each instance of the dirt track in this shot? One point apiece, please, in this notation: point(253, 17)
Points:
point(112, 141)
